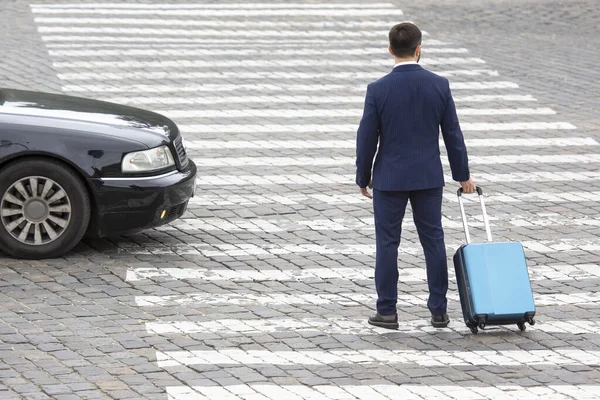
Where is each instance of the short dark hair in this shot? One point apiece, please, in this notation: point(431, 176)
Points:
point(404, 39)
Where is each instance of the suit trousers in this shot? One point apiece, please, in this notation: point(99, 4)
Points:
point(389, 208)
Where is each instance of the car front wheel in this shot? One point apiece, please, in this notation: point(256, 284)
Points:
point(44, 208)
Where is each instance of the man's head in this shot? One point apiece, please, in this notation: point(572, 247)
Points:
point(405, 41)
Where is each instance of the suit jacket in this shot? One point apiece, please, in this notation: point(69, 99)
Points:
point(404, 111)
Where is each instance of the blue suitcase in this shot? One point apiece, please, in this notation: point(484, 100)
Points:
point(492, 279)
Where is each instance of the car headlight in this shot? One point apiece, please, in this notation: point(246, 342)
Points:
point(148, 160)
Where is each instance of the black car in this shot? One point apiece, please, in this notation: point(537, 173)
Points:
point(71, 166)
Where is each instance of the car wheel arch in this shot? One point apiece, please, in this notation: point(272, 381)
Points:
point(80, 204)
point(52, 157)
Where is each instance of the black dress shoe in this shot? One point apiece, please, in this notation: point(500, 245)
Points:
point(384, 321)
point(440, 321)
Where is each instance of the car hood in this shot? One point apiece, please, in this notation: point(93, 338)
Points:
point(62, 107)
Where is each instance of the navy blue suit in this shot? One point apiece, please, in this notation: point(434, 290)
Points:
point(403, 113)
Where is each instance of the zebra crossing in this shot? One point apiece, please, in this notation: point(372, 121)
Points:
point(268, 278)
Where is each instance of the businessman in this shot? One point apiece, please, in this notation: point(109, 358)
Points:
point(403, 113)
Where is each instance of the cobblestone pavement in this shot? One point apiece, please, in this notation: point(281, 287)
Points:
point(262, 290)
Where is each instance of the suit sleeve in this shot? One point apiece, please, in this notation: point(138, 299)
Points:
point(454, 141)
point(366, 140)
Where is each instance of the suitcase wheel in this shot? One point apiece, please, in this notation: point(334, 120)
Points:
point(473, 329)
point(521, 325)
point(482, 325)
point(531, 321)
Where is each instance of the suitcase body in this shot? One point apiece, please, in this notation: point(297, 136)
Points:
point(493, 280)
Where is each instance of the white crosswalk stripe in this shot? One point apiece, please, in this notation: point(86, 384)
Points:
point(234, 356)
point(339, 113)
point(363, 224)
point(214, 23)
point(220, 43)
point(159, 88)
point(271, 250)
point(255, 63)
point(269, 76)
point(563, 272)
point(382, 392)
point(238, 52)
point(310, 179)
point(348, 161)
point(356, 326)
point(351, 144)
point(134, 41)
point(138, 274)
point(279, 99)
point(336, 198)
point(161, 32)
point(345, 299)
point(224, 6)
point(351, 128)
point(225, 13)
point(212, 88)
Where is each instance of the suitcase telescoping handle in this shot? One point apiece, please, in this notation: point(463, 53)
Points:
point(464, 216)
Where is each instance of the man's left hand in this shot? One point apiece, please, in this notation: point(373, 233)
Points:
point(365, 191)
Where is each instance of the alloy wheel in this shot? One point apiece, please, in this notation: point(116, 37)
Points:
point(35, 210)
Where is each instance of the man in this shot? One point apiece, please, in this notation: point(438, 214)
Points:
point(403, 112)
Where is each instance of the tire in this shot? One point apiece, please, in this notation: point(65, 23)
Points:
point(49, 222)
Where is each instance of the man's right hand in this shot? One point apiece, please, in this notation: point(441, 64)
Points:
point(468, 186)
